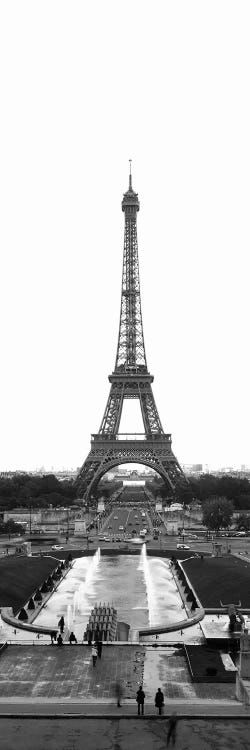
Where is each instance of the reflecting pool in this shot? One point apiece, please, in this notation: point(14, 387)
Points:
point(141, 588)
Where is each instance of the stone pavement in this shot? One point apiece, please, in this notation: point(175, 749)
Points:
point(139, 733)
point(66, 673)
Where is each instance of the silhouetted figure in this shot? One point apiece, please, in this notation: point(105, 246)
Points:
point(118, 694)
point(53, 635)
point(172, 728)
point(140, 697)
point(94, 654)
point(232, 622)
point(59, 640)
point(159, 700)
point(72, 638)
point(99, 649)
point(61, 624)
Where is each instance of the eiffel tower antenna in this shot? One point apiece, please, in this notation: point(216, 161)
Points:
point(130, 379)
point(130, 174)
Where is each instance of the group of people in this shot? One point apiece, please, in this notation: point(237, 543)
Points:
point(140, 698)
point(58, 638)
point(159, 703)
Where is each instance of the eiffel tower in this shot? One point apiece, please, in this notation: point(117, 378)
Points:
point(130, 380)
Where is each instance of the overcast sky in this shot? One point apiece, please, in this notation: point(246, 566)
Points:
point(84, 87)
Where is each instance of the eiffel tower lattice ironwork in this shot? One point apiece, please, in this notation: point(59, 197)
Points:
point(130, 380)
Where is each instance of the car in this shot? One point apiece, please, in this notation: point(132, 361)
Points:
point(109, 527)
point(136, 516)
point(56, 546)
point(115, 518)
point(182, 546)
point(192, 536)
point(121, 528)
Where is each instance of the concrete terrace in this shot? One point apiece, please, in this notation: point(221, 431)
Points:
point(67, 674)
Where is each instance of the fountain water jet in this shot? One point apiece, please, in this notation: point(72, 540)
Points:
point(82, 591)
point(144, 566)
point(162, 592)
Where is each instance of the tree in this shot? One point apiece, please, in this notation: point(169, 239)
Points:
point(217, 513)
point(11, 527)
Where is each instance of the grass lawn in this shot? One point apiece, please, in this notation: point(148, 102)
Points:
point(215, 578)
point(20, 577)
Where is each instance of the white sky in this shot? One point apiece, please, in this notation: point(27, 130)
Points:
point(84, 87)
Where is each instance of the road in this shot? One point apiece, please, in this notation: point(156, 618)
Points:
point(127, 513)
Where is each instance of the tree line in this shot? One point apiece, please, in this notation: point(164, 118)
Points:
point(236, 490)
point(26, 490)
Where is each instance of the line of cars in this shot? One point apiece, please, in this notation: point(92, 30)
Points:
point(122, 531)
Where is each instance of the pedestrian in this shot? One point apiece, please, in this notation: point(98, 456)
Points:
point(61, 624)
point(72, 638)
point(118, 694)
point(59, 640)
point(159, 700)
point(172, 722)
point(140, 696)
point(94, 654)
point(99, 649)
point(53, 637)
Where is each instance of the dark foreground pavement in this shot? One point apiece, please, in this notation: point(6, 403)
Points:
point(138, 733)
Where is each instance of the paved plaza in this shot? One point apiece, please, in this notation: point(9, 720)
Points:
point(67, 673)
point(138, 733)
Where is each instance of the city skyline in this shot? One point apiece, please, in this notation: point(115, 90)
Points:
point(68, 133)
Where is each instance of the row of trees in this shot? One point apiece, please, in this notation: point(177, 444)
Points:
point(25, 490)
point(234, 489)
point(207, 486)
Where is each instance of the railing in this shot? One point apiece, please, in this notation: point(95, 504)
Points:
point(131, 436)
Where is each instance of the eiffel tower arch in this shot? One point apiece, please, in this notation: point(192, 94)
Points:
point(130, 379)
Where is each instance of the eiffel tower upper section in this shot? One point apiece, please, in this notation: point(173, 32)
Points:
point(131, 355)
point(131, 378)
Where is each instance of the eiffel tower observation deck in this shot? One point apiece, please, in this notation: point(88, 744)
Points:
point(130, 379)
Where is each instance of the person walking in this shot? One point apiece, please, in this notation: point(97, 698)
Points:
point(172, 722)
point(159, 700)
point(61, 624)
point(140, 697)
point(118, 693)
point(99, 649)
point(94, 654)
